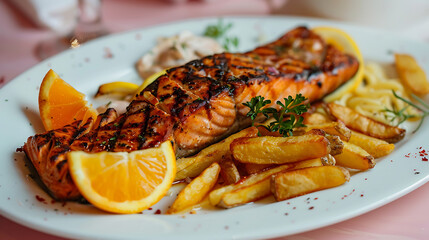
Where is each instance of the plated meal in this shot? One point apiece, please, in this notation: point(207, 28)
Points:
point(292, 117)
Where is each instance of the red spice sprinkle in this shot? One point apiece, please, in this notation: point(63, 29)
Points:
point(150, 208)
point(158, 211)
point(108, 53)
point(311, 208)
point(361, 195)
point(294, 208)
point(424, 159)
point(40, 199)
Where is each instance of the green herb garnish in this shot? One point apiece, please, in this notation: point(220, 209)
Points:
point(286, 118)
point(256, 104)
point(402, 116)
point(219, 31)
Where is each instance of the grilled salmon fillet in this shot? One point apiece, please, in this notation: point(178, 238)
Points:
point(196, 104)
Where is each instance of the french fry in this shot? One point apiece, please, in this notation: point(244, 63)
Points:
point(376, 147)
point(229, 172)
point(411, 74)
point(196, 190)
point(316, 118)
point(252, 168)
point(253, 187)
point(298, 182)
point(193, 166)
point(365, 125)
point(279, 150)
point(355, 157)
point(332, 128)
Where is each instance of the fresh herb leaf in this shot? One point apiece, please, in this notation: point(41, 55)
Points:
point(234, 41)
point(402, 116)
point(219, 31)
point(256, 104)
point(286, 118)
point(398, 115)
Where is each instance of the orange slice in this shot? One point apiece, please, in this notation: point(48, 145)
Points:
point(60, 104)
point(345, 43)
point(122, 182)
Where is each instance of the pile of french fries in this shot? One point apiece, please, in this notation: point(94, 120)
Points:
point(248, 166)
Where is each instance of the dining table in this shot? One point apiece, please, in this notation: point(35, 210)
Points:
point(405, 218)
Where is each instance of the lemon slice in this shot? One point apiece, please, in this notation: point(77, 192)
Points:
point(61, 104)
point(344, 42)
point(150, 80)
point(120, 88)
point(122, 182)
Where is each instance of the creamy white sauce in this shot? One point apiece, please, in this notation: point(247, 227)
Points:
point(175, 51)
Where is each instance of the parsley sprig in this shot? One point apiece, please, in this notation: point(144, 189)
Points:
point(286, 118)
point(218, 32)
point(401, 116)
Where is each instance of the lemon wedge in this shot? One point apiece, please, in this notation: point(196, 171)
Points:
point(149, 80)
point(119, 88)
point(344, 42)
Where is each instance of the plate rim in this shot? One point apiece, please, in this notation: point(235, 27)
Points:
point(227, 17)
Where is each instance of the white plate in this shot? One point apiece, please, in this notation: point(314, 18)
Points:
point(88, 66)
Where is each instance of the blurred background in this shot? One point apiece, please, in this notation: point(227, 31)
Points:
point(32, 30)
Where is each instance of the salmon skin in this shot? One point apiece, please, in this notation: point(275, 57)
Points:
point(196, 104)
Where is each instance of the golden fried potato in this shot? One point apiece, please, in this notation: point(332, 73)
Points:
point(376, 147)
point(411, 74)
point(364, 124)
point(298, 182)
point(253, 187)
point(332, 128)
point(252, 168)
point(278, 150)
point(229, 172)
point(192, 166)
point(316, 118)
point(354, 157)
point(196, 190)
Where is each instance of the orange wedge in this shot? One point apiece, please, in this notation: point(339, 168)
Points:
point(60, 104)
point(345, 43)
point(122, 182)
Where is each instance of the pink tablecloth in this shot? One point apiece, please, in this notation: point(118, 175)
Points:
point(406, 218)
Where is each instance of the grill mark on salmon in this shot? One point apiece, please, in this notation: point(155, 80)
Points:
point(196, 104)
